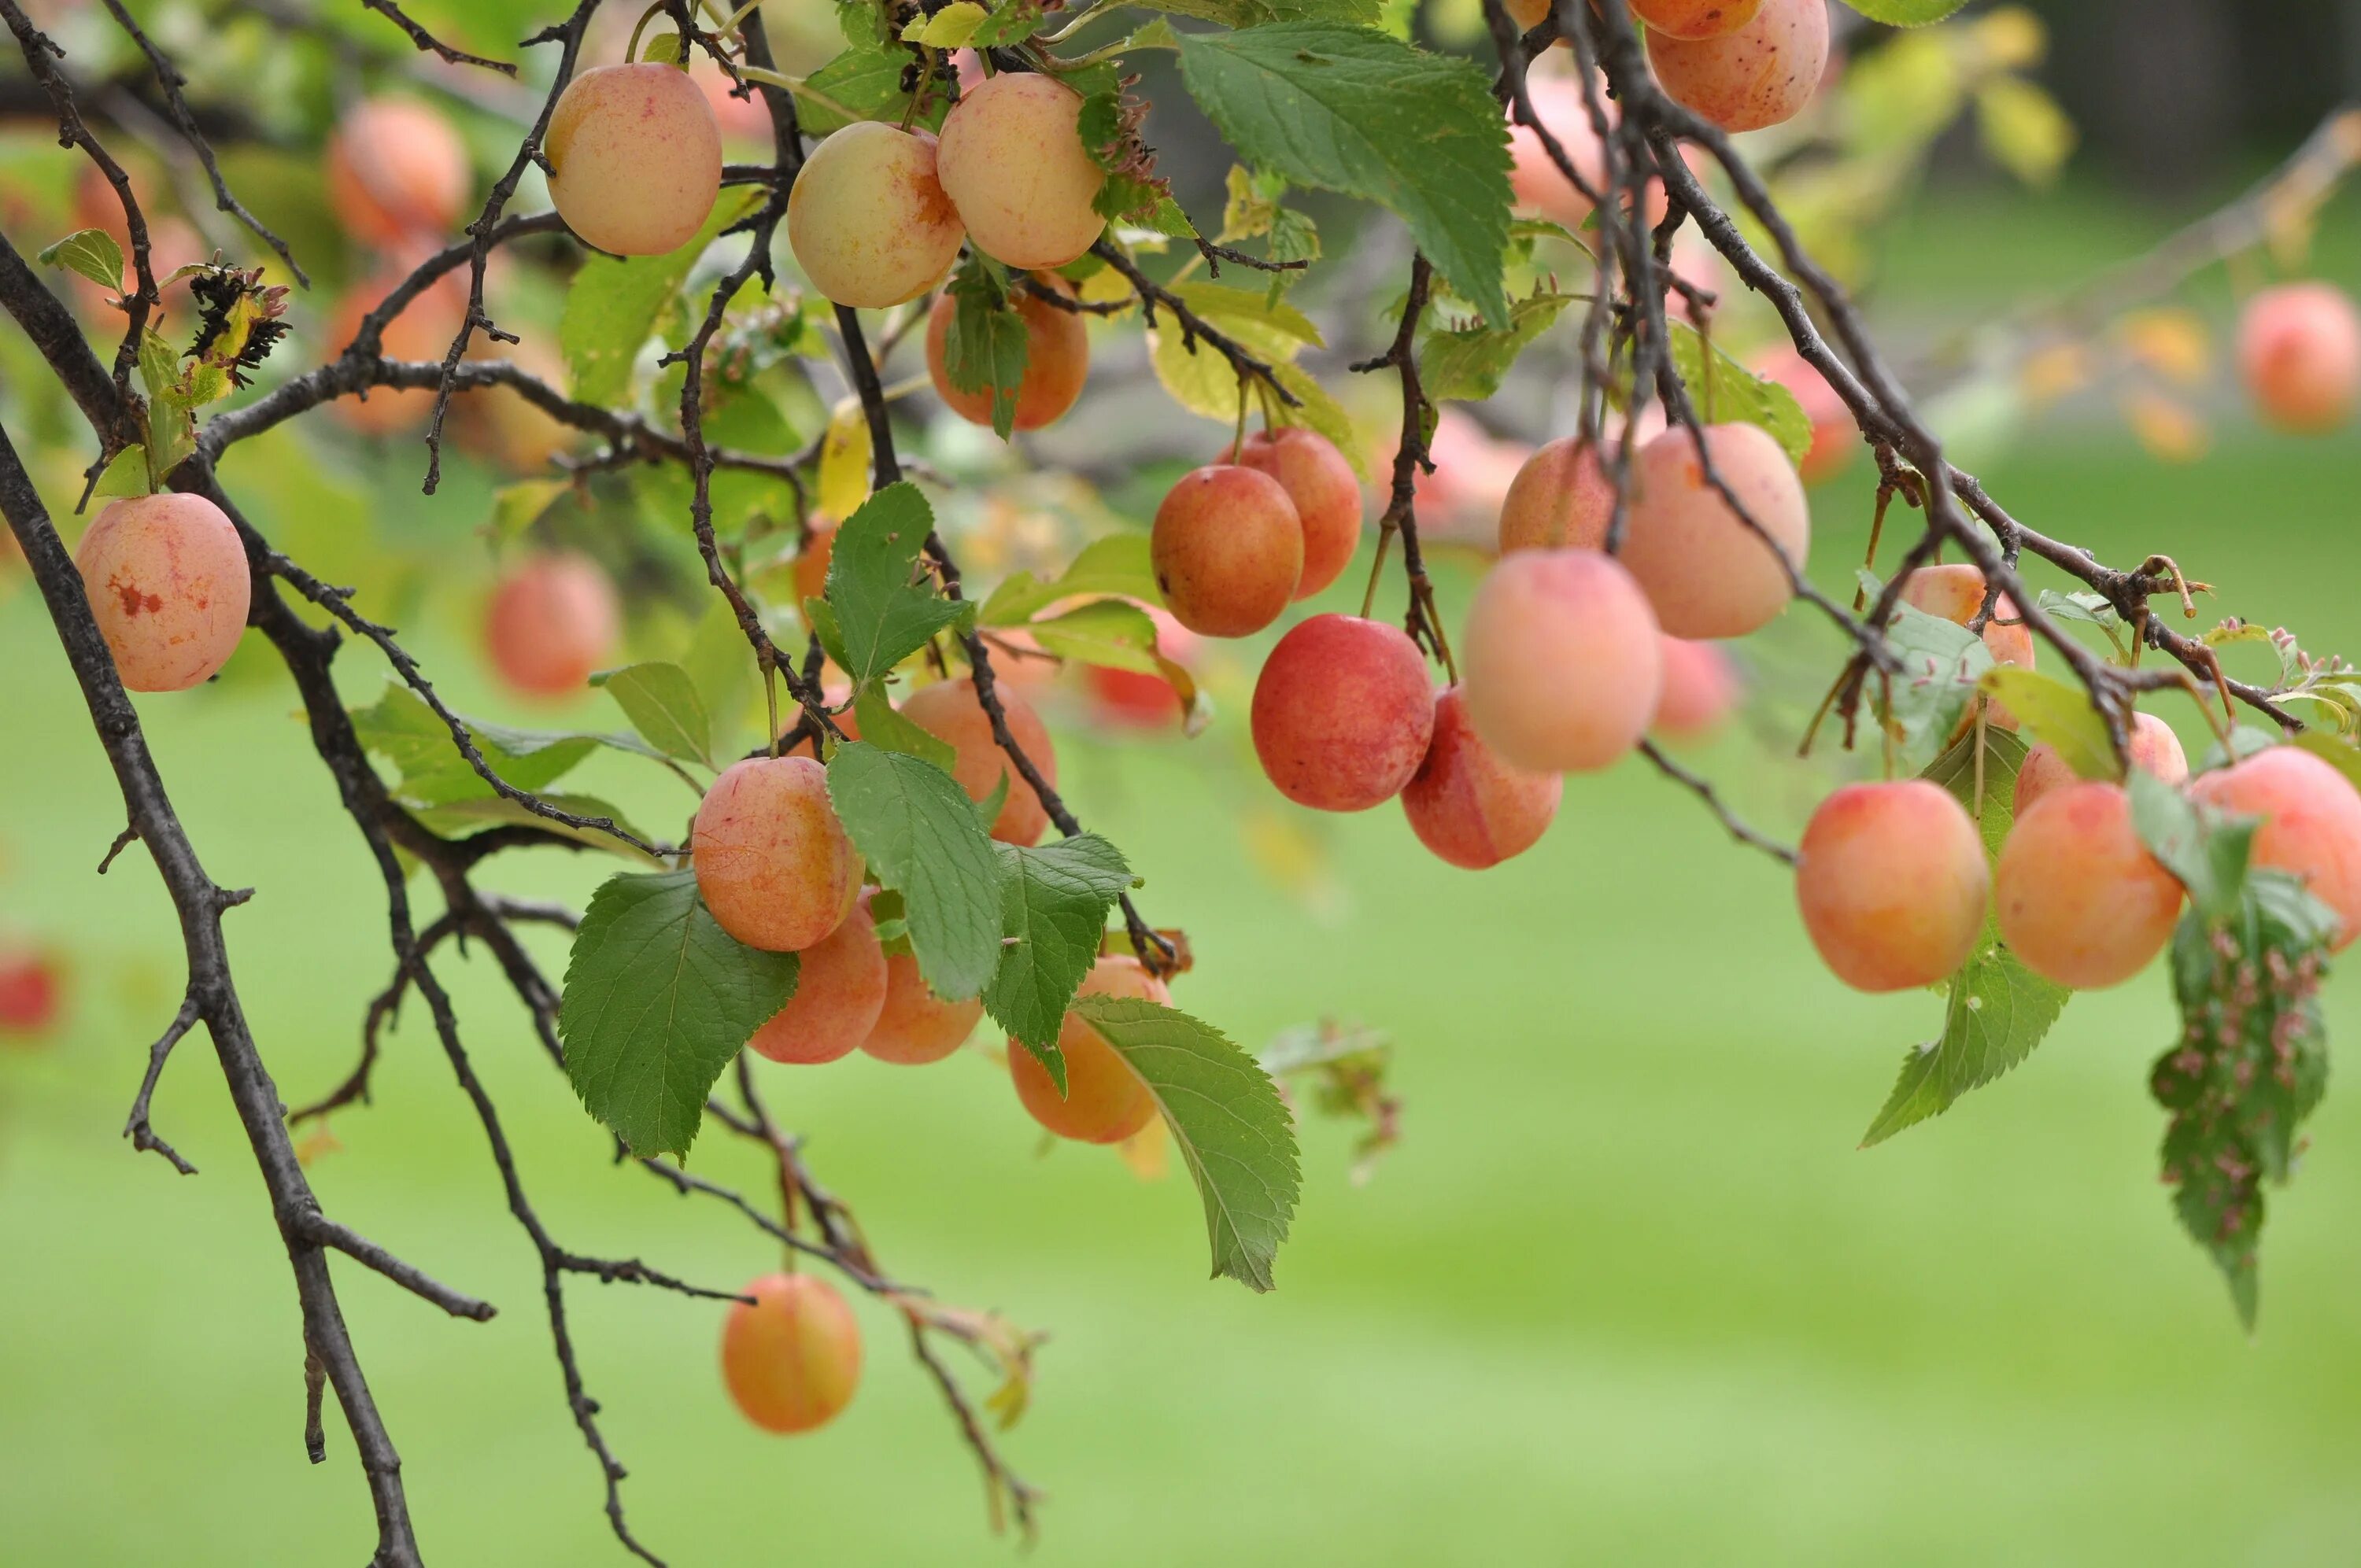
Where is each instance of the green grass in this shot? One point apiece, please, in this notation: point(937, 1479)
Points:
point(1627, 1292)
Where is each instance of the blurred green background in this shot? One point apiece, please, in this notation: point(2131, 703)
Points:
point(1626, 1292)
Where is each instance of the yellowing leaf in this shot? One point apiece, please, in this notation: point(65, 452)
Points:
point(2022, 129)
point(845, 461)
point(2169, 429)
point(1147, 1153)
point(2170, 341)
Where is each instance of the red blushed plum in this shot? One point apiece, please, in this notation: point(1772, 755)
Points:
point(2079, 897)
point(1057, 359)
point(1228, 550)
point(1105, 1101)
point(773, 864)
point(839, 993)
point(2312, 824)
point(2155, 749)
point(811, 562)
point(553, 619)
point(1468, 806)
point(30, 992)
point(1327, 497)
point(1013, 163)
point(1561, 664)
point(635, 156)
point(1560, 500)
point(949, 711)
point(1342, 713)
point(1893, 884)
point(2300, 355)
point(792, 1360)
point(1539, 186)
point(1834, 437)
point(868, 220)
point(168, 584)
point(1759, 74)
point(397, 172)
point(1706, 572)
point(1701, 690)
point(915, 1026)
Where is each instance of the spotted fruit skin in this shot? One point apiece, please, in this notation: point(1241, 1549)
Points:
point(637, 156)
point(169, 585)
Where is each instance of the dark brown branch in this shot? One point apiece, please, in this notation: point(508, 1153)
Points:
point(1194, 328)
point(428, 43)
point(143, 1137)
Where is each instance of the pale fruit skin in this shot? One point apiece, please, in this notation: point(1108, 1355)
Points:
point(1893, 884)
point(1561, 499)
point(2311, 825)
point(1468, 806)
point(1956, 592)
point(638, 158)
point(2155, 749)
point(1706, 572)
point(1701, 690)
point(1105, 1101)
point(2300, 355)
point(792, 1361)
point(1696, 18)
point(169, 585)
point(1834, 437)
point(2080, 899)
point(839, 991)
point(1761, 74)
point(1561, 664)
point(773, 864)
point(1228, 550)
point(1342, 713)
point(396, 173)
point(552, 620)
point(1057, 360)
point(867, 219)
point(915, 1026)
point(949, 711)
point(1326, 494)
point(1011, 162)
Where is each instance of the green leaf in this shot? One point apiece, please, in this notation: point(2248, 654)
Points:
point(1467, 365)
point(1118, 635)
point(92, 253)
point(882, 724)
point(985, 349)
point(1054, 903)
point(867, 80)
point(2022, 129)
point(1117, 565)
point(613, 307)
point(160, 368)
point(658, 999)
point(1226, 1117)
point(2340, 753)
point(885, 612)
point(1906, 13)
point(1941, 664)
point(126, 474)
point(518, 506)
point(1261, 12)
point(2207, 853)
point(2251, 1065)
point(2059, 715)
point(1726, 392)
point(1997, 1013)
point(919, 833)
point(401, 729)
point(661, 701)
point(458, 818)
point(1355, 111)
point(1957, 769)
